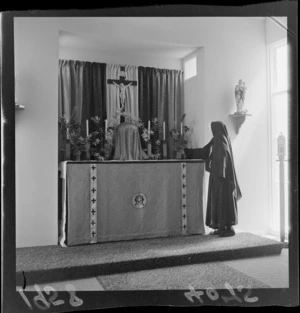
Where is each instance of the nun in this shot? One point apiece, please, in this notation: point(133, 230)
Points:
point(223, 188)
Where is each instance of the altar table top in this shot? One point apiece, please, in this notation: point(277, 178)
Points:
point(125, 200)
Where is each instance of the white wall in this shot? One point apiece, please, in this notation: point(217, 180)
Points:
point(234, 49)
point(243, 55)
point(118, 57)
point(194, 105)
point(36, 59)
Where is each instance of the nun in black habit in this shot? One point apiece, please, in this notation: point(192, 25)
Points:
point(223, 188)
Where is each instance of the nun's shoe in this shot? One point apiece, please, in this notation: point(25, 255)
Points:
point(227, 233)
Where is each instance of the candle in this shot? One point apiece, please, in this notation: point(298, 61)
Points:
point(105, 125)
point(87, 128)
point(148, 130)
point(149, 146)
point(181, 128)
point(68, 129)
point(281, 145)
point(164, 130)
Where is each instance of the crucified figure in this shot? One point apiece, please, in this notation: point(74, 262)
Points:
point(122, 88)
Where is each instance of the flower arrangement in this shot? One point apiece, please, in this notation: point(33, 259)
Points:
point(108, 144)
point(68, 126)
point(96, 139)
point(101, 141)
point(179, 139)
point(154, 138)
point(70, 131)
point(78, 142)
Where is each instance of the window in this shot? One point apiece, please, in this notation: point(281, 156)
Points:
point(190, 68)
point(279, 108)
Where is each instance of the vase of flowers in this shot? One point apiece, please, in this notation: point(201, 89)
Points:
point(179, 142)
point(108, 145)
point(69, 133)
point(96, 139)
point(101, 140)
point(77, 155)
point(78, 145)
point(152, 139)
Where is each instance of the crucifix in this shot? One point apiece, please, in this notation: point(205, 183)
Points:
point(122, 84)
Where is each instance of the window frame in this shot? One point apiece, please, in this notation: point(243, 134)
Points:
point(272, 92)
point(186, 60)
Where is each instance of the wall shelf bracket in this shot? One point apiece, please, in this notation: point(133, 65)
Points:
point(238, 120)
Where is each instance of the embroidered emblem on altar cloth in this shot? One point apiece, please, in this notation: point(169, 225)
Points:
point(139, 200)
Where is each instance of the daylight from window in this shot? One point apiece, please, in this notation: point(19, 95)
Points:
point(190, 68)
point(279, 125)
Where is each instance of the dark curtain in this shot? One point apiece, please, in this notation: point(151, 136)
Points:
point(161, 95)
point(82, 91)
point(148, 93)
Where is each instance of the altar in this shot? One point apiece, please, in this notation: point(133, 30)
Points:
point(126, 200)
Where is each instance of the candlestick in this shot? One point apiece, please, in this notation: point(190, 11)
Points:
point(87, 151)
point(149, 148)
point(87, 128)
point(68, 152)
point(164, 131)
point(164, 146)
point(281, 145)
point(148, 130)
point(68, 129)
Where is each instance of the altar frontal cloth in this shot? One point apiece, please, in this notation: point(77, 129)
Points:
point(113, 201)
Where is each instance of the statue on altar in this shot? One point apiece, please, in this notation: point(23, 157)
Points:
point(127, 143)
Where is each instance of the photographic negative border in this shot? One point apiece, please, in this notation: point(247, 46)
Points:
point(12, 301)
